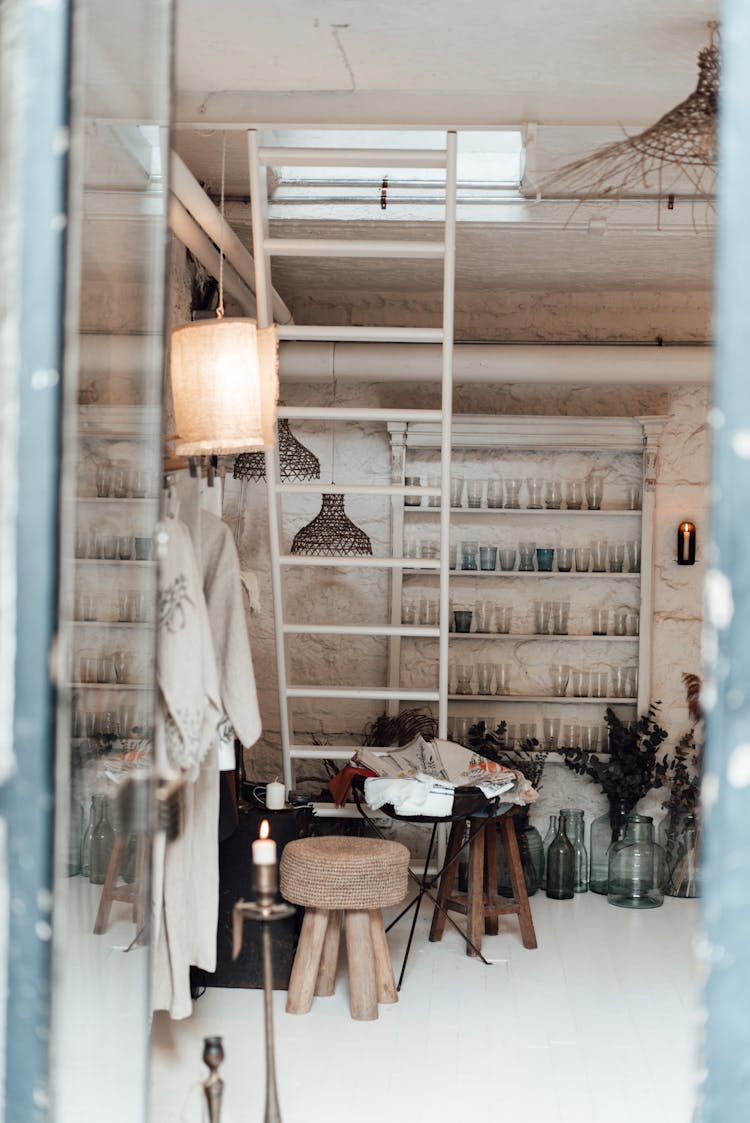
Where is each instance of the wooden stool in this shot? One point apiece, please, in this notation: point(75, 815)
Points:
point(133, 895)
point(481, 904)
point(349, 877)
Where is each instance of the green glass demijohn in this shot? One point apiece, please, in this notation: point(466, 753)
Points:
point(636, 867)
point(605, 830)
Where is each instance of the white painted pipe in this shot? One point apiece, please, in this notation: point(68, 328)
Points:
point(351, 333)
point(352, 247)
point(188, 190)
point(498, 362)
point(382, 158)
point(200, 245)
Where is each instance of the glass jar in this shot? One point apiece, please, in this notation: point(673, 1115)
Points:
point(636, 867)
point(605, 830)
point(531, 851)
point(102, 841)
point(547, 841)
point(560, 865)
point(574, 829)
point(679, 835)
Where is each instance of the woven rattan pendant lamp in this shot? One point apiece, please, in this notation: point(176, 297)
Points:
point(332, 533)
point(296, 463)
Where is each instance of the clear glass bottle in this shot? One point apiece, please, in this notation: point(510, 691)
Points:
point(531, 851)
point(574, 828)
point(605, 830)
point(546, 842)
point(85, 869)
point(679, 835)
point(102, 841)
point(560, 865)
point(75, 836)
point(636, 867)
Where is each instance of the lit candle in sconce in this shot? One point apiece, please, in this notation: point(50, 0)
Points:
point(686, 536)
point(264, 848)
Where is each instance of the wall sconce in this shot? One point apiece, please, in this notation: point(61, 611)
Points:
point(225, 384)
point(686, 543)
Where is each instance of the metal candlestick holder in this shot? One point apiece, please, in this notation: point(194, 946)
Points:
point(265, 909)
point(213, 1085)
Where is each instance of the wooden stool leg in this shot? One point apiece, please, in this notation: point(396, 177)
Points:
point(385, 984)
point(475, 895)
point(140, 907)
point(491, 922)
point(363, 1002)
point(306, 961)
point(326, 983)
point(447, 880)
point(108, 888)
point(513, 858)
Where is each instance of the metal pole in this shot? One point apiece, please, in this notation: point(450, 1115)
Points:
point(446, 403)
point(273, 1114)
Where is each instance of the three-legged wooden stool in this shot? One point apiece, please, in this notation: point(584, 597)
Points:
point(481, 904)
point(351, 878)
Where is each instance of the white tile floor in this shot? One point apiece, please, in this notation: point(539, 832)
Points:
point(595, 1026)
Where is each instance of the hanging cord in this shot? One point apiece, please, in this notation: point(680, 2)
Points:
point(333, 423)
point(220, 309)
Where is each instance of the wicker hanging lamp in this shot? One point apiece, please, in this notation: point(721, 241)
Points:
point(332, 533)
point(296, 463)
point(684, 142)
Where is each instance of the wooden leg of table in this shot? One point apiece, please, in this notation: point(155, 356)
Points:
point(447, 880)
point(306, 961)
point(385, 984)
point(329, 960)
point(363, 999)
point(141, 886)
point(475, 895)
point(491, 923)
point(110, 881)
point(513, 858)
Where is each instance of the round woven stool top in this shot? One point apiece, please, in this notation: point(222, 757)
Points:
point(339, 872)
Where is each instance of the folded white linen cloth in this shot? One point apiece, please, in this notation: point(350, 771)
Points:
point(416, 795)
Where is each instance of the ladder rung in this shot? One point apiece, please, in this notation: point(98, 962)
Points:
point(366, 562)
point(342, 413)
point(325, 752)
point(414, 630)
point(358, 489)
point(347, 333)
point(350, 247)
point(382, 158)
point(380, 694)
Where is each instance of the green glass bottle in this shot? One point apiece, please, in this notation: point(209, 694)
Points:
point(636, 867)
point(574, 829)
point(102, 841)
point(560, 865)
point(85, 868)
point(547, 842)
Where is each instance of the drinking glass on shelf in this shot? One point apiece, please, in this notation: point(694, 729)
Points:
point(94, 546)
point(484, 612)
point(463, 724)
point(600, 620)
point(550, 732)
point(564, 559)
point(579, 681)
point(108, 723)
point(535, 490)
point(428, 548)
point(510, 734)
point(507, 557)
point(583, 559)
point(494, 493)
point(125, 720)
point(574, 493)
point(633, 497)
point(513, 493)
point(457, 491)
point(81, 543)
point(488, 557)
point(589, 737)
point(503, 618)
point(617, 682)
point(120, 481)
point(616, 557)
point(485, 672)
point(599, 555)
point(526, 555)
point(571, 737)
point(105, 669)
point(503, 673)
point(469, 551)
point(620, 622)
point(594, 491)
point(474, 493)
point(87, 667)
point(452, 556)
point(121, 664)
point(559, 673)
point(464, 671)
point(598, 684)
point(428, 611)
point(103, 481)
point(634, 555)
point(559, 617)
point(462, 619)
point(412, 500)
point(542, 617)
point(409, 611)
point(545, 556)
point(631, 682)
point(631, 624)
point(604, 737)
point(411, 548)
point(433, 500)
point(85, 606)
point(527, 731)
point(124, 546)
point(138, 483)
point(553, 495)
point(108, 545)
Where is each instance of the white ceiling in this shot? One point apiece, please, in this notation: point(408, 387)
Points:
point(384, 62)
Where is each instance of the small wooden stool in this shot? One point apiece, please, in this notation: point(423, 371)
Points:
point(481, 904)
point(355, 877)
point(133, 895)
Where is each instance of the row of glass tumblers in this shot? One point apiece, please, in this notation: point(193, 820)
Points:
point(495, 678)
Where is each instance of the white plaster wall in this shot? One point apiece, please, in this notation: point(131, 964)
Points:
point(362, 454)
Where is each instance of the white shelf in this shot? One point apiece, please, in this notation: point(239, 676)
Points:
point(548, 699)
point(113, 624)
point(382, 694)
point(566, 637)
point(142, 686)
point(153, 501)
point(531, 512)
point(360, 562)
point(414, 630)
point(114, 562)
point(525, 574)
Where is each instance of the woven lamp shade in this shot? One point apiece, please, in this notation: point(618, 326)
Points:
point(331, 533)
point(296, 463)
point(225, 384)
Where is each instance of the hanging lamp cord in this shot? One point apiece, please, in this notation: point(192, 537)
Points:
point(220, 308)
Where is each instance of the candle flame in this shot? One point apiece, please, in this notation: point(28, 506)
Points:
point(687, 527)
point(264, 829)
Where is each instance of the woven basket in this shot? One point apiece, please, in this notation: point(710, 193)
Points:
point(344, 873)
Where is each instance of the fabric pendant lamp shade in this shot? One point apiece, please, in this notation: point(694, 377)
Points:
point(225, 384)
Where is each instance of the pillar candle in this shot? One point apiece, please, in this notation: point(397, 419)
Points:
point(275, 795)
point(264, 848)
